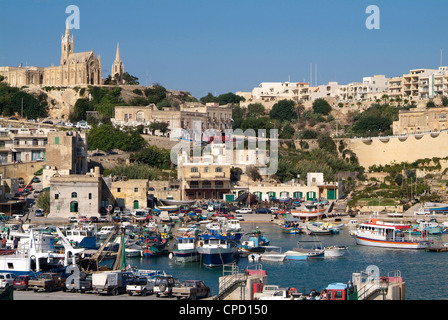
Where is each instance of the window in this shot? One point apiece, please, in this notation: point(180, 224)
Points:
point(56, 196)
point(218, 169)
point(206, 169)
point(135, 189)
point(74, 195)
point(118, 189)
point(194, 169)
point(56, 140)
point(90, 196)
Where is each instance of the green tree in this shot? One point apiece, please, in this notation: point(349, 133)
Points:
point(321, 106)
point(43, 202)
point(255, 110)
point(284, 110)
point(154, 157)
point(129, 79)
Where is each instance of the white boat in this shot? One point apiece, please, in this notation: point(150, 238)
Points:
point(185, 248)
point(233, 225)
point(36, 254)
point(335, 251)
point(273, 253)
point(253, 257)
point(295, 255)
point(395, 215)
point(105, 231)
point(213, 226)
point(171, 202)
point(312, 211)
point(83, 236)
point(388, 235)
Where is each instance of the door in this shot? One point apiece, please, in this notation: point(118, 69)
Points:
point(74, 206)
point(331, 194)
point(135, 204)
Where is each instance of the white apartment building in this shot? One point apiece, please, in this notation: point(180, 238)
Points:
point(23, 144)
point(371, 88)
point(419, 84)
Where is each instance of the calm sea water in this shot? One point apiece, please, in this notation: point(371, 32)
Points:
point(424, 272)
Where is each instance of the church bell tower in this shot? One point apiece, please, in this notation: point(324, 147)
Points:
point(66, 46)
point(117, 67)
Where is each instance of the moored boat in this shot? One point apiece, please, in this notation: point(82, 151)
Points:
point(388, 235)
point(254, 241)
point(185, 248)
point(216, 250)
point(335, 251)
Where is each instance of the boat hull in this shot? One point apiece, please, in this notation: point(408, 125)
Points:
point(292, 255)
point(215, 257)
point(185, 256)
point(391, 244)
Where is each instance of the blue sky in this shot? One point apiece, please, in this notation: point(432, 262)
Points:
point(232, 45)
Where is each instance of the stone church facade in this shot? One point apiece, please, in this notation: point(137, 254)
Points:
point(80, 68)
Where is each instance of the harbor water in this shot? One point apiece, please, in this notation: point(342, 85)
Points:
point(423, 271)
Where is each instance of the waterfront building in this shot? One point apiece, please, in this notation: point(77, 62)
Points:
point(130, 194)
point(315, 188)
point(75, 194)
point(204, 177)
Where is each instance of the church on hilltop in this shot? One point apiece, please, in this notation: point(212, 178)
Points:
point(75, 69)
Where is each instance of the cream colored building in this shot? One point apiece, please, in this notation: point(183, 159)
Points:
point(189, 117)
point(204, 177)
point(72, 195)
point(421, 120)
point(130, 194)
point(81, 68)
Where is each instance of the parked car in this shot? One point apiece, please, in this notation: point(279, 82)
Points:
point(94, 219)
point(263, 210)
point(47, 122)
point(72, 219)
point(191, 289)
point(7, 279)
point(163, 285)
point(239, 216)
point(82, 219)
point(21, 282)
point(103, 219)
point(140, 285)
point(39, 213)
point(48, 282)
point(243, 210)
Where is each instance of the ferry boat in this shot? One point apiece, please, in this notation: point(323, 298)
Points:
point(378, 233)
point(216, 250)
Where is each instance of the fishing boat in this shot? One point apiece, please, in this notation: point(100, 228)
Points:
point(232, 225)
point(312, 211)
point(290, 228)
point(314, 251)
point(216, 250)
point(335, 251)
point(320, 229)
point(423, 227)
point(378, 233)
point(273, 253)
point(169, 209)
point(151, 251)
point(253, 257)
point(185, 248)
point(105, 231)
point(177, 203)
point(254, 241)
point(37, 253)
point(82, 237)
